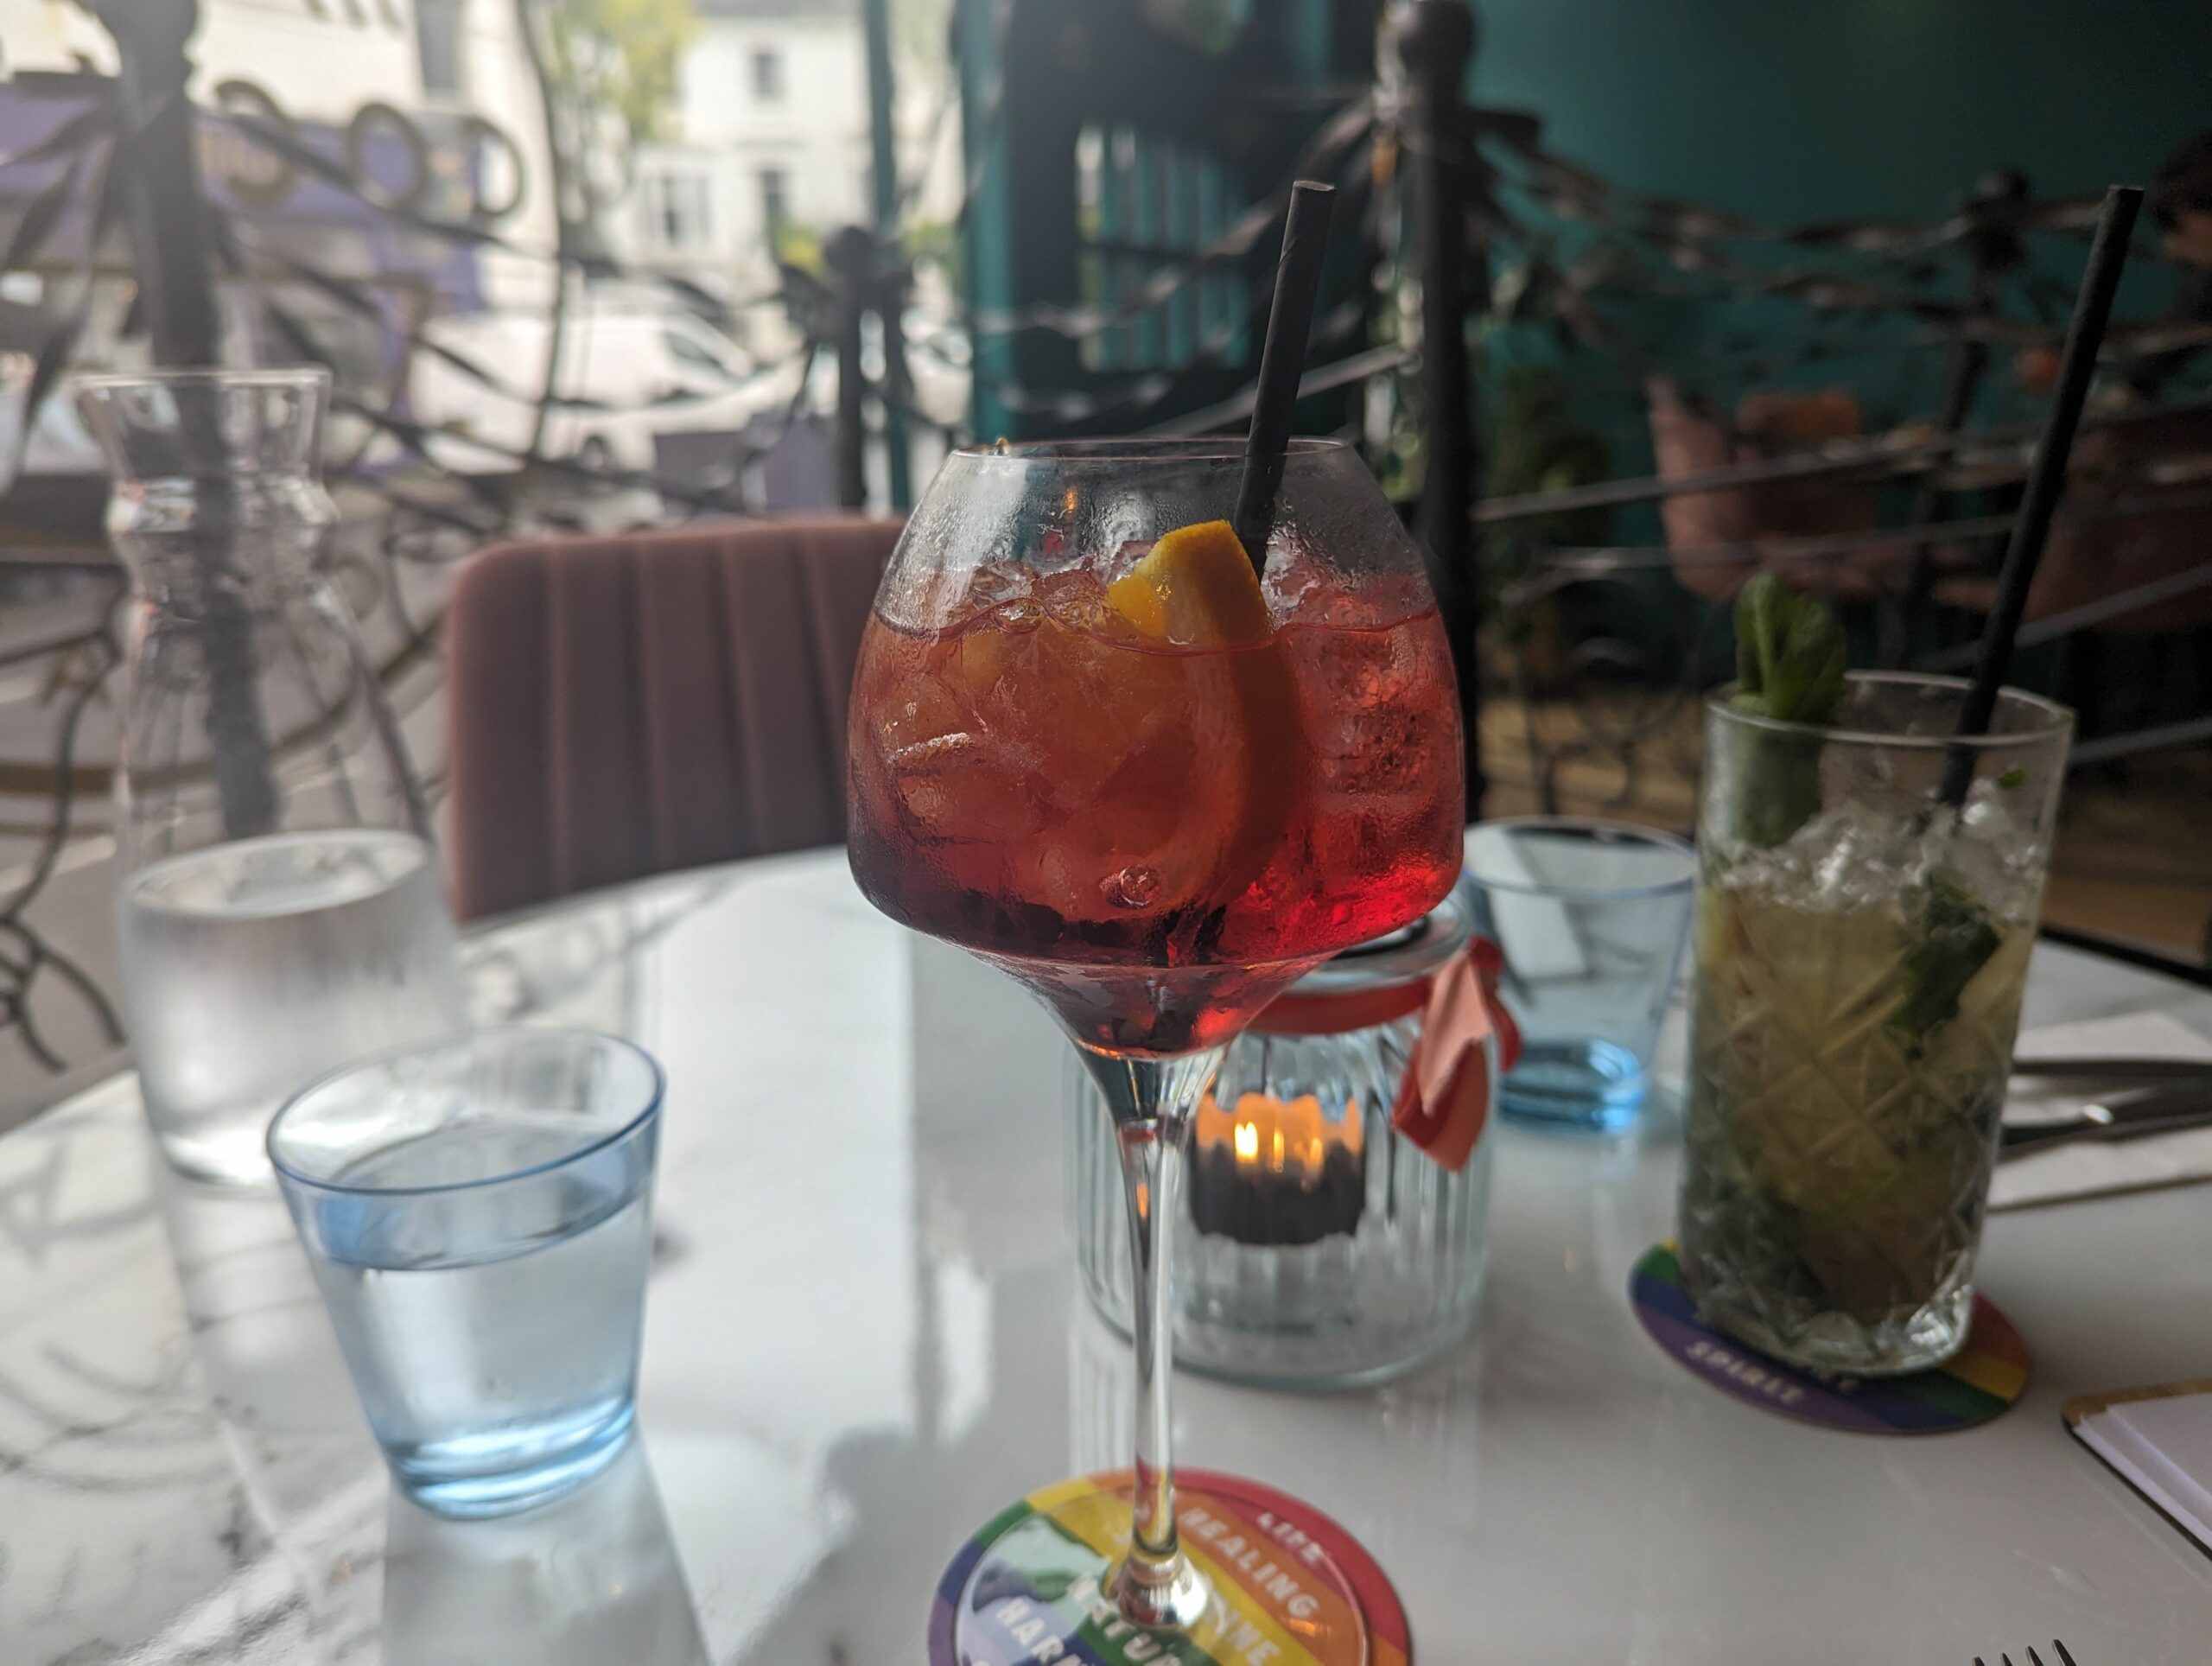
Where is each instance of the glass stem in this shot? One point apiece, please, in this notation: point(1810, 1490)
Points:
point(1152, 1102)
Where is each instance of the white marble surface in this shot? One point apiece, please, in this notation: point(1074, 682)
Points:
point(864, 1337)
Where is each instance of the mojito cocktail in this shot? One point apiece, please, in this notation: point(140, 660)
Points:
point(1861, 951)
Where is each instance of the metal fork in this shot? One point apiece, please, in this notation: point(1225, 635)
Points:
point(2034, 1659)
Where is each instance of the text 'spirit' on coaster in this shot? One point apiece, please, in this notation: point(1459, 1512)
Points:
point(1987, 1376)
point(1291, 1587)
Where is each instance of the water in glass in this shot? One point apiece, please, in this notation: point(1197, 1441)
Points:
point(492, 1331)
point(279, 910)
point(250, 967)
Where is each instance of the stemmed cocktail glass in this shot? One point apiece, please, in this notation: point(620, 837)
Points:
point(1093, 743)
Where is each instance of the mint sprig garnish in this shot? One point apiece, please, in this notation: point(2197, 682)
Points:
point(1791, 654)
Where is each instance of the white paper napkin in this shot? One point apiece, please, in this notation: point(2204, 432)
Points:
point(2091, 1168)
point(2163, 1444)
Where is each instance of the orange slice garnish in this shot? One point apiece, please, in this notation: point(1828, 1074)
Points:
point(1195, 587)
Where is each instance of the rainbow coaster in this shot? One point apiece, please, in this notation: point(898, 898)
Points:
point(1291, 1587)
point(1987, 1377)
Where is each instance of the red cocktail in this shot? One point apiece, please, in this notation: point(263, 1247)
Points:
point(1091, 743)
point(1116, 816)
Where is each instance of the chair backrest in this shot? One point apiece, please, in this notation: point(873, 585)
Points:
point(2102, 556)
point(1686, 441)
point(625, 706)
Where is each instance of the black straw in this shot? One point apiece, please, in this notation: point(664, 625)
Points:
point(1282, 364)
point(2085, 333)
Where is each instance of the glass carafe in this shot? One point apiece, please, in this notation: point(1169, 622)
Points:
point(280, 906)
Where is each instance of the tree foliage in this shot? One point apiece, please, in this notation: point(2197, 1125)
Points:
point(622, 57)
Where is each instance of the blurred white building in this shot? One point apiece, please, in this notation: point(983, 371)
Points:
point(769, 143)
point(327, 59)
point(448, 69)
point(433, 104)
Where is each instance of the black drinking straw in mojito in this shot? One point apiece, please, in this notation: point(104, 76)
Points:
point(1957, 937)
point(2085, 335)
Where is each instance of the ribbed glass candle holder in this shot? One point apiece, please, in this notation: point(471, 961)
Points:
point(1317, 1247)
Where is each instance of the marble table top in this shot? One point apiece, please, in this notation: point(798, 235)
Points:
point(864, 1337)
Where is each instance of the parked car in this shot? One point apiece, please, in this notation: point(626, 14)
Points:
point(626, 375)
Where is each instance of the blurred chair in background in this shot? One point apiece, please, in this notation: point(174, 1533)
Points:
point(627, 706)
point(1748, 519)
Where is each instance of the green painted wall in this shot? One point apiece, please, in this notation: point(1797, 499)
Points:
point(1791, 112)
point(1802, 110)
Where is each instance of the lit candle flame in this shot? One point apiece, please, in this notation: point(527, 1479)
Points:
point(1271, 1135)
point(1272, 1171)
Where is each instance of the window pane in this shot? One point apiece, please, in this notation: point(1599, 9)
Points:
point(678, 210)
point(768, 74)
point(682, 348)
point(438, 41)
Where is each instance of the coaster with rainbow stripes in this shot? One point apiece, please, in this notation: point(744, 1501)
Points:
point(1985, 1379)
point(1291, 1587)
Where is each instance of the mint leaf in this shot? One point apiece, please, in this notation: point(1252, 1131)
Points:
point(1790, 655)
point(1951, 941)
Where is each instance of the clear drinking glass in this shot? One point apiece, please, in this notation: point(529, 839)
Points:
point(1090, 744)
point(1861, 951)
point(478, 1211)
point(280, 909)
point(1591, 917)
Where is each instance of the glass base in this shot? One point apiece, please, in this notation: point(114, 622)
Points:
point(219, 1152)
point(1281, 1582)
point(1917, 1340)
point(443, 1485)
point(1981, 1380)
point(1581, 1086)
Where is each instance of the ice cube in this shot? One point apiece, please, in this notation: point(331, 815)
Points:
point(957, 788)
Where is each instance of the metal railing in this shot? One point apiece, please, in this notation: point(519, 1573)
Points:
point(1475, 233)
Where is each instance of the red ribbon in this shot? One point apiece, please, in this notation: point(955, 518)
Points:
point(1337, 1013)
point(1444, 1100)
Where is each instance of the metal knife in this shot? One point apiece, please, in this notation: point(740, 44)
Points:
point(2167, 1109)
point(2089, 1068)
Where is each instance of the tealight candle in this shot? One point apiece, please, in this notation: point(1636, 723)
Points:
point(1276, 1171)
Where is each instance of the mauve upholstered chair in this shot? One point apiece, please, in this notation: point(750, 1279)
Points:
point(625, 706)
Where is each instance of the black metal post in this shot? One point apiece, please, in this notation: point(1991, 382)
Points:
point(1991, 251)
point(172, 255)
point(1435, 42)
point(850, 254)
point(891, 289)
point(530, 24)
point(172, 258)
point(882, 103)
